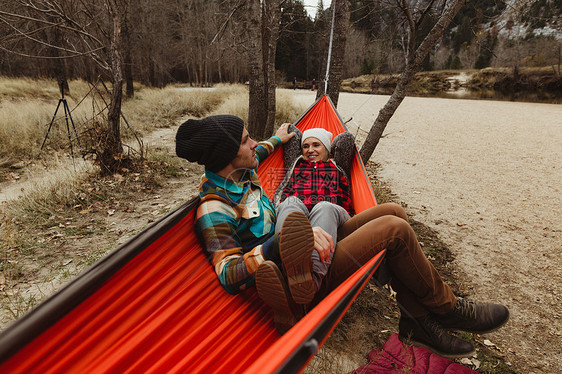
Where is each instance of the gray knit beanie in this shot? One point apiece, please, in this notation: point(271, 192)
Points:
point(212, 141)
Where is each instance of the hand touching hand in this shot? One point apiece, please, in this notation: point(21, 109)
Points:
point(323, 243)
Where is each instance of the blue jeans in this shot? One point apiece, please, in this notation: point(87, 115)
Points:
point(326, 215)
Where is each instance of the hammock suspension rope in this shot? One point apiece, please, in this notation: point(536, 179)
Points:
point(330, 47)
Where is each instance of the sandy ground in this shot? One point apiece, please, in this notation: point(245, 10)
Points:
point(487, 175)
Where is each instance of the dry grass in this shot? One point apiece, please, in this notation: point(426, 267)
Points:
point(27, 107)
point(155, 108)
point(28, 227)
point(27, 88)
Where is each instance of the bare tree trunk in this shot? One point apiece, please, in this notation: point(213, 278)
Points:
point(271, 20)
point(113, 148)
point(412, 67)
point(127, 60)
point(257, 113)
point(263, 30)
point(341, 28)
point(58, 63)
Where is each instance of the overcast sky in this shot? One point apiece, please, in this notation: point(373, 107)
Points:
point(310, 6)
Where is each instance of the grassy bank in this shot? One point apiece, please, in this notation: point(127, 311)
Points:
point(524, 84)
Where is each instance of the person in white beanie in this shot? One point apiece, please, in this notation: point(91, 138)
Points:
point(315, 189)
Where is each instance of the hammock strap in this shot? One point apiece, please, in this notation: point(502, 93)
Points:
point(330, 47)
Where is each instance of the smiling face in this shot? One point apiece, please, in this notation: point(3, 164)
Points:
point(313, 150)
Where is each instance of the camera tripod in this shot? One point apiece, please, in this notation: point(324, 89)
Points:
point(67, 117)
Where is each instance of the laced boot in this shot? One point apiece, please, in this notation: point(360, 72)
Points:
point(473, 317)
point(296, 243)
point(428, 333)
point(273, 290)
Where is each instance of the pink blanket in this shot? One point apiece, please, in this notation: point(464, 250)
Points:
point(397, 357)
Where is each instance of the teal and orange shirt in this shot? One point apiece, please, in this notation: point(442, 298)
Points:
point(236, 224)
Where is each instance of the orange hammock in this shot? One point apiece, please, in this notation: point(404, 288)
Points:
point(155, 305)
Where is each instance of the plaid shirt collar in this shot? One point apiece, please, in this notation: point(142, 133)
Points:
point(230, 185)
point(214, 184)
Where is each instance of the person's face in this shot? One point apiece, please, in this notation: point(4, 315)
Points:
point(246, 156)
point(313, 150)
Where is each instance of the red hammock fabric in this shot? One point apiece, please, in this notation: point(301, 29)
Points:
point(165, 311)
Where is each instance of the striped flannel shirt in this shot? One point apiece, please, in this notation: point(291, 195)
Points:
point(313, 182)
point(236, 224)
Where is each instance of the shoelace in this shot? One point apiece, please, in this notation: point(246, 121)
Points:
point(466, 308)
point(434, 326)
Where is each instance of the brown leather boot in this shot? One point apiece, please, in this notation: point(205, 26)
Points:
point(428, 333)
point(296, 243)
point(273, 290)
point(473, 317)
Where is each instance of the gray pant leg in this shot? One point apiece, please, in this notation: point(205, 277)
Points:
point(289, 205)
point(329, 217)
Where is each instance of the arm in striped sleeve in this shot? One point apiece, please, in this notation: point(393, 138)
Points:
point(216, 226)
point(266, 147)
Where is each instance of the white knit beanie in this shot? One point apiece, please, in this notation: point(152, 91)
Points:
point(323, 135)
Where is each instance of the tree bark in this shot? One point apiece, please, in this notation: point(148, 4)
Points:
point(412, 67)
point(127, 60)
point(271, 20)
point(257, 111)
point(113, 148)
point(341, 28)
point(58, 63)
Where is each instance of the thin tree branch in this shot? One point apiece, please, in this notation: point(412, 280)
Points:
point(225, 23)
point(61, 25)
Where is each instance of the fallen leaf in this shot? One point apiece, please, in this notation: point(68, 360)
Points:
point(489, 343)
point(466, 361)
point(475, 363)
point(111, 212)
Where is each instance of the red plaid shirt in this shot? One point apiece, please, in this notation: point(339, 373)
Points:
point(313, 182)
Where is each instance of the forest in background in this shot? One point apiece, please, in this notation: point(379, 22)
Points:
point(205, 42)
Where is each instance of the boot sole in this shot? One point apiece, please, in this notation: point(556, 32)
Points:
point(416, 343)
point(273, 291)
point(296, 244)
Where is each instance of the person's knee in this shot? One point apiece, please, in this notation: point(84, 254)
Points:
point(325, 209)
point(397, 227)
point(325, 206)
point(397, 210)
point(291, 204)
